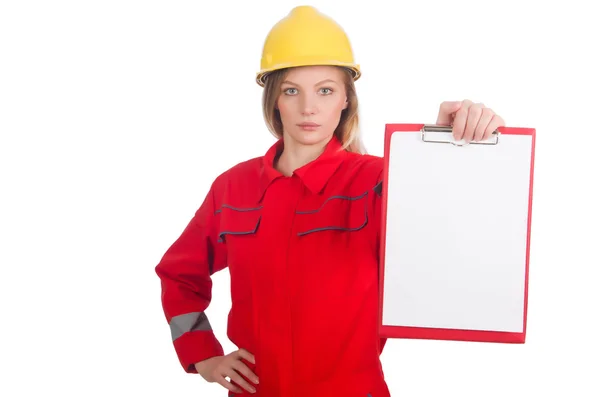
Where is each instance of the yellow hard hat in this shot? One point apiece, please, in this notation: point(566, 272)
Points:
point(306, 37)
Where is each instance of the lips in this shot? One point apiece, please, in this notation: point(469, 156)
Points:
point(308, 125)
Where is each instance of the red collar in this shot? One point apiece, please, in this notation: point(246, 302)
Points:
point(314, 175)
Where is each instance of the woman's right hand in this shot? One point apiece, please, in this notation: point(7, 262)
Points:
point(216, 369)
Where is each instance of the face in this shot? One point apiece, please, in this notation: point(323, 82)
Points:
point(310, 103)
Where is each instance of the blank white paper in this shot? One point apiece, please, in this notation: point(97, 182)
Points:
point(456, 234)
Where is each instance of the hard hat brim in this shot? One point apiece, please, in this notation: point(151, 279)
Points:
point(263, 74)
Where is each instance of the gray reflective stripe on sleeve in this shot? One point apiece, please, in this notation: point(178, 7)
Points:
point(196, 321)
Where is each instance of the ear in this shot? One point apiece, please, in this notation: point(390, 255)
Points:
point(346, 104)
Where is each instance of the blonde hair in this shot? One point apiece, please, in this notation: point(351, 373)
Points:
point(347, 130)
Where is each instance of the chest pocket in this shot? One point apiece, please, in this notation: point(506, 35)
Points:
point(337, 213)
point(238, 221)
point(238, 232)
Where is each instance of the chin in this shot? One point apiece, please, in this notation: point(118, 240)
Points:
point(310, 137)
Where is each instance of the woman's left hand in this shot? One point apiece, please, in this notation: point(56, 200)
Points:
point(470, 121)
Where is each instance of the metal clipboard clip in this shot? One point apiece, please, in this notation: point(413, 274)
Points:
point(443, 134)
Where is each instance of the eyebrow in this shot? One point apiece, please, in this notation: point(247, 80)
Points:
point(319, 83)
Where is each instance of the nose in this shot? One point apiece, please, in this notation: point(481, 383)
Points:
point(308, 105)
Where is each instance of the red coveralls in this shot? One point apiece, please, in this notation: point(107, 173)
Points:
point(302, 252)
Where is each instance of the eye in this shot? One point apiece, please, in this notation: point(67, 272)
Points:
point(287, 91)
point(326, 91)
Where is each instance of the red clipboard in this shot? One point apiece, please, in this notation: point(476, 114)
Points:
point(433, 285)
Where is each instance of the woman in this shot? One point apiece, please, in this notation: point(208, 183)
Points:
point(298, 229)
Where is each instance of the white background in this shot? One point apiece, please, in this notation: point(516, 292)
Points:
point(115, 116)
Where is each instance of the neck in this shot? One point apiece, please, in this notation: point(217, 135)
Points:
point(295, 155)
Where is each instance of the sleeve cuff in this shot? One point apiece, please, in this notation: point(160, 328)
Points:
point(193, 347)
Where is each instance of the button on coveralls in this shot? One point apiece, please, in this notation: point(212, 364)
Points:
point(302, 252)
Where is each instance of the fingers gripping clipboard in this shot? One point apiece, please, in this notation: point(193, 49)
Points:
point(456, 221)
